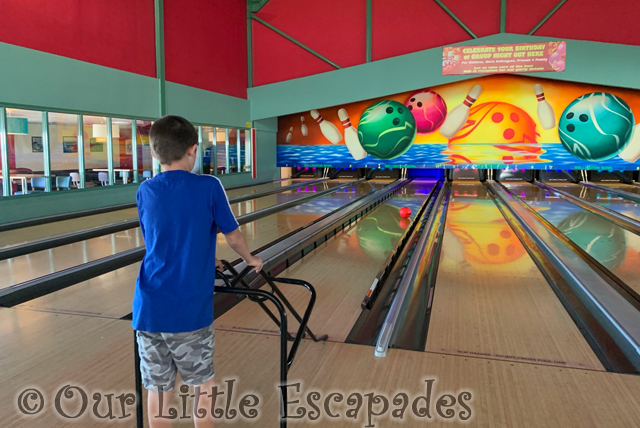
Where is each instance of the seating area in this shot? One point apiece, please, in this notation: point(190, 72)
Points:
point(25, 181)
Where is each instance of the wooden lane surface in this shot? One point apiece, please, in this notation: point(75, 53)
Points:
point(41, 263)
point(341, 270)
point(265, 187)
point(34, 265)
point(47, 351)
point(616, 248)
point(246, 207)
point(491, 300)
point(34, 233)
point(49, 230)
point(110, 295)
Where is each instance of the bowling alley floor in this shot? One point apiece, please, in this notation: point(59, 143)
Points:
point(96, 354)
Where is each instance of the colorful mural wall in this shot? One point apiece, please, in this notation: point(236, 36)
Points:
point(496, 121)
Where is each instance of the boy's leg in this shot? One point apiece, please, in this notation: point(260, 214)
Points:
point(193, 356)
point(203, 405)
point(158, 404)
point(158, 375)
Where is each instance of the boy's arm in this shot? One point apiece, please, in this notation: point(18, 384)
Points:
point(226, 222)
point(238, 244)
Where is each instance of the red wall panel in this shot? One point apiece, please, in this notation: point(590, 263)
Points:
point(206, 44)
point(276, 59)
point(113, 33)
point(405, 26)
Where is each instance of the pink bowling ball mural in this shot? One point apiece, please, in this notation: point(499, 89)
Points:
point(429, 110)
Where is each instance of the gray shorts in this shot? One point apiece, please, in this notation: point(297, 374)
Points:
point(164, 354)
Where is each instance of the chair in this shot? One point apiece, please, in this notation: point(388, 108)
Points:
point(38, 184)
point(146, 174)
point(63, 183)
point(75, 179)
point(103, 177)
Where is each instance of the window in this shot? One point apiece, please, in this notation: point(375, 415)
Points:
point(208, 150)
point(65, 153)
point(96, 162)
point(145, 160)
point(221, 150)
point(121, 135)
point(26, 151)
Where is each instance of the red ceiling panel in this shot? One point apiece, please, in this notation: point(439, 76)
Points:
point(114, 33)
point(611, 22)
point(523, 15)
point(206, 45)
point(276, 59)
point(334, 28)
point(405, 26)
point(481, 16)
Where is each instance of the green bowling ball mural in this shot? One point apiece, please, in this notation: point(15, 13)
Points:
point(597, 236)
point(386, 129)
point(379, 232)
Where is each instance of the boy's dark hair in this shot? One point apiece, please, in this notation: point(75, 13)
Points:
point(171, 137)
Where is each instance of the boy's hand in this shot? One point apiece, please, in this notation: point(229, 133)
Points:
point(255, 263)
point(219, 265)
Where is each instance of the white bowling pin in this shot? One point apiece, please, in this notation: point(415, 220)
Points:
point(289, 135)
point(546, 115)
point(457, 118)
point(303, 127)
point(351, 136)
point(631, 153)
point(328, 129)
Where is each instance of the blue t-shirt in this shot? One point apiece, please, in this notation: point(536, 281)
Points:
point(180, 214)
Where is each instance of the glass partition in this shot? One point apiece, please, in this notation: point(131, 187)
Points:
point(145, 160)
point(95, 151)
point(121, 135)
point(208, 149)
point(25, 150)
point(63, 140)
point(233, 150)
point(221, 151)
point(74, 151)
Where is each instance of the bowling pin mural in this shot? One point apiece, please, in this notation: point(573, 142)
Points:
point(351, 136)
point(303, 127)
point(289, 135)
point(328, 129)
point(631, 153)
point(546, 115)
point(457, 118)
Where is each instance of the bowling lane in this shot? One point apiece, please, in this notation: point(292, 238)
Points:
point(24, 235)
point(35, 265)
point(268, 201)
point(631, 188)
point(110, 295)
point(490, 299)
point(615, 248)
point(605, 199)
point(274, 185)
point(341, 270)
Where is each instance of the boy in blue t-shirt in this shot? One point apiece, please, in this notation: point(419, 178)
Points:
point(180, 215)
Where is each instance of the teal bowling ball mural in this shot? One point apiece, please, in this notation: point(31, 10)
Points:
point(386, 129)
point(597, 236)
point(596, 126)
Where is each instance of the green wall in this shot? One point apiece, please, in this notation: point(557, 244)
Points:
point(24, 207)
point(588, 62)
point(39, 80)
